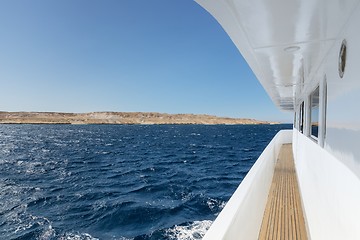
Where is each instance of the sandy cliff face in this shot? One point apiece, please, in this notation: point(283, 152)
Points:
point(119, 118)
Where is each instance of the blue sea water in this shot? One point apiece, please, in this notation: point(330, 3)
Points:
point(121, 181)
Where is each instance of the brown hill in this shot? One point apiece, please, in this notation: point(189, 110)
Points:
point(119, 118)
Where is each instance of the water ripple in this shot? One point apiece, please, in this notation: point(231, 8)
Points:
point(121, 181)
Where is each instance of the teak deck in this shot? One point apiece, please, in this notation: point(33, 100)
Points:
point(283, 216)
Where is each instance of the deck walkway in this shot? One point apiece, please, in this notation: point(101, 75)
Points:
point(283, 217)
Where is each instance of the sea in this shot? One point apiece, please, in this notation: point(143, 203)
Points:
point(121, 182)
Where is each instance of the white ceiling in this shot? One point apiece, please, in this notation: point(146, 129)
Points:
point(263, 31)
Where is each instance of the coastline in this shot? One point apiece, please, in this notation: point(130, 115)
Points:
point(145, 118)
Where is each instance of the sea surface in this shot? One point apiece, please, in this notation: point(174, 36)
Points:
point(121, 182)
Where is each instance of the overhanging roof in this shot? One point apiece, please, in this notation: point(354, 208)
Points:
point(284, 42)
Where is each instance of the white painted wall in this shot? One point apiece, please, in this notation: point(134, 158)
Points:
point(343, 115)
point(329, 177)
point(242, 216)
point(330, 192)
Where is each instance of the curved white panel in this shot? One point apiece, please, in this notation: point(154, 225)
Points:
point(264, 30)
point(242, 216)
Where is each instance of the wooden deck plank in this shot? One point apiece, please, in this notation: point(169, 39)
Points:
point(283, 216)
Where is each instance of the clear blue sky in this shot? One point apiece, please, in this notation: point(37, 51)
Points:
point(123, 55)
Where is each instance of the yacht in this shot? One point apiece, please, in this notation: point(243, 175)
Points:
point(306, 183)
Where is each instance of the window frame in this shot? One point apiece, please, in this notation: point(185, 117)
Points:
point(314, 108)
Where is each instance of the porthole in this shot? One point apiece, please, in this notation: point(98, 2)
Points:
point(342, 58)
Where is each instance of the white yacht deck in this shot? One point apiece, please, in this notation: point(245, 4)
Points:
point(283, 216)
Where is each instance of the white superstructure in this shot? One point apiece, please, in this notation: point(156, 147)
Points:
point(306, 54)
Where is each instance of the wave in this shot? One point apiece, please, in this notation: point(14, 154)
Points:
point(76, 236)
point(192, 231)
point(187, 231)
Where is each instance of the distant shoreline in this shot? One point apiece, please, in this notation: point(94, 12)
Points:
point(131, 118)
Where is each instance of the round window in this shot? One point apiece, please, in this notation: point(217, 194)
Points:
point(342, 58)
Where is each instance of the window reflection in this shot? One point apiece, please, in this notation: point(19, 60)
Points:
point(314, 98)
point(302, 117)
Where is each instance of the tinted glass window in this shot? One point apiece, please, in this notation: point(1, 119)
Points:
point(314, 98)
point(301, 118)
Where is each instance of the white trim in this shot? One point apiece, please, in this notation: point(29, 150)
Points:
point(307, 120)
point(322, 110)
